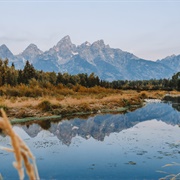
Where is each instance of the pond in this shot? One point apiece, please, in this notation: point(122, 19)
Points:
point(135, 145)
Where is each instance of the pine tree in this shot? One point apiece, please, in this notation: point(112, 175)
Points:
point(28, 72)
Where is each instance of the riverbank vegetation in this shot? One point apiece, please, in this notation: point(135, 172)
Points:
point(32, 93)
point(76, 102)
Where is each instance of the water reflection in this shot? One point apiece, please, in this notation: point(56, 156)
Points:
point(134, 145)
point(101, 126)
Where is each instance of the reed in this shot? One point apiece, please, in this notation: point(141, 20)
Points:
point(22, 153)
point(170, 176)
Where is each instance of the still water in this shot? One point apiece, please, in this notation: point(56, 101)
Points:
point(135, 145)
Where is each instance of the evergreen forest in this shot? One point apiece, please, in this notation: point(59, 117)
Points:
point(13, 82)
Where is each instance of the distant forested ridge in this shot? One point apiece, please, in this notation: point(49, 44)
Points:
point(29, 76)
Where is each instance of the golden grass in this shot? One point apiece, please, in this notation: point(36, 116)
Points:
point(79, 98)
point(21, 151)
point(29, 106)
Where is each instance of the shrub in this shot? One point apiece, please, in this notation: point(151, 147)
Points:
point(13, 92)
point(84, 107)
point(21, 114)
point(45, 105)
point(125, 102)
point(143, 95)
point(33, 83)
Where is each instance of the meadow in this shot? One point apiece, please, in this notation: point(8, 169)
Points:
point(30, 101)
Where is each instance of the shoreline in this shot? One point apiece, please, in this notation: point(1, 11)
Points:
point(26, 110)
point(72, 115)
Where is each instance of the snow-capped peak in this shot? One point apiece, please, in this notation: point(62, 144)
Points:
point(87, 43)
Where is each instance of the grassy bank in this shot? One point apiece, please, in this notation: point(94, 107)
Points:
point(76, 103)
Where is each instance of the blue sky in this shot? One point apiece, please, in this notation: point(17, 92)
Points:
point(148, 29)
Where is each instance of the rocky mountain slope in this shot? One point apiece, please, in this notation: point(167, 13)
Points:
point(172, 62)
point(106, 62)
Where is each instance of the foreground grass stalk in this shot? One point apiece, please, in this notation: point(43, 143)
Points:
point(21, 152)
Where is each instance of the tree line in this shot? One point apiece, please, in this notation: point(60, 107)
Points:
point(9, 75)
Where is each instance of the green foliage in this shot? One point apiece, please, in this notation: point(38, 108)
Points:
point(28, 73)
point(32, 83)
point(126, 102)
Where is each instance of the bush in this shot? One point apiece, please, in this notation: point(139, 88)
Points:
point(22, 114)
point(143, 95)
point(13, 92)
point(84, 107)
point(45, 105)
point(126, 102)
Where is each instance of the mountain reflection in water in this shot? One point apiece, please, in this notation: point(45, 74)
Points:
point(101, 126)
point(130, 146)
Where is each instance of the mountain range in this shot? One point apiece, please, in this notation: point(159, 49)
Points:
point(106, 62)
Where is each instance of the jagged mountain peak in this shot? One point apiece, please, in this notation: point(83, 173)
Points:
point(32, 46)
point(65, 40)
point(106, 62)
point(31, 50)
point(99, 44)
point(3, 46)
point(85, 44)
point(30, 53)
point(170, 57)
point(5, 52)
point(64, 44)
point(172, 62)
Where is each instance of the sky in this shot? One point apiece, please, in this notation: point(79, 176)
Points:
point(148, 29)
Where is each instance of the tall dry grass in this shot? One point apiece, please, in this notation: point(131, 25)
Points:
point(88, 99)
point(22, 153)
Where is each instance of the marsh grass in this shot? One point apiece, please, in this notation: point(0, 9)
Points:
point(3, 106)
point(81, 99)
point(170, 176)
point(22, 153)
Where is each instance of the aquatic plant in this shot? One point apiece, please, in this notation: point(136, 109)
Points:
point(21, 151)
point(170, 176)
